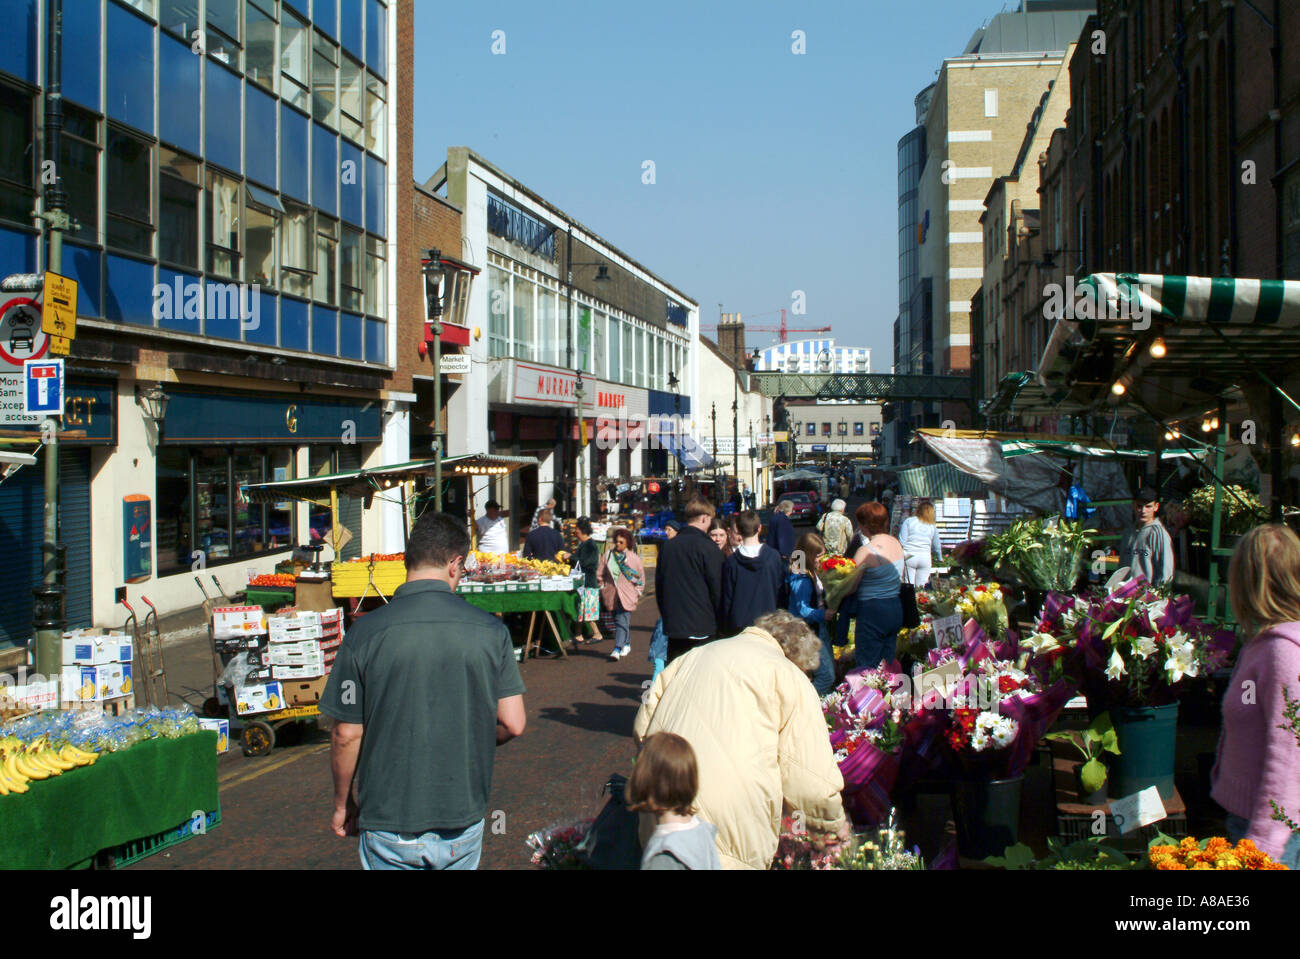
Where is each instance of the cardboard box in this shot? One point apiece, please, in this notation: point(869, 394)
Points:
point(309, 671)
point(331, 617)
point(329, 646)
point(81, 684)
point(33, 695)
point(286, 654)
point(239, 644)
point(298, 620)
point(258, 674)
point(305, 692)
point(231, 621)
point(93, 647)
point(115, 680)
point(222, 728)
point(259, 698)
point(296, 634)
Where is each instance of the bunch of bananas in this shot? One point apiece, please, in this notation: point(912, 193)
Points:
point(22, 762)
point(547, 567)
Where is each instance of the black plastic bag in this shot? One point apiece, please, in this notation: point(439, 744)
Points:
point(613, 841)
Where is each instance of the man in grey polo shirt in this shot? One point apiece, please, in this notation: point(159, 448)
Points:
point(422, 691)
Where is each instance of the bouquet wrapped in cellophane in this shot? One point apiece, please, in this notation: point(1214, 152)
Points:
point(839, 577)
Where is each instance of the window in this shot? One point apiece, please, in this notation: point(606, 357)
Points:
point(223, 225)
point(376, 112)
point(295, 129)
point(857, 429)
point(223, 103)
point(130, 75)
point(351, 97)
point(522, 315)
point(294, 59)
point(324, 15)
point(629, 355)
point(262, 215)
point(352, 256)
point(991, 103)
point(327, 241)
point(17, 167)
point(127, 178)
point(377, 37)
point(324, 82)
point(842, 428)
point(181, 17)
point(172, 524)
point(640, 358)
point(259, 55)
point(179, 115)
point(812, 429)
point(548, 333)
point(223, 15)
point(259, 121)
point(324, 169)
point(351, 32)
point(178, 209)
point(498, 310)
point(599, 324)
point(79, 170)
point(211, 468)
point(826, 429)
point(376, 278)
point(376, 193)
point(615, 351)
point(297, 249)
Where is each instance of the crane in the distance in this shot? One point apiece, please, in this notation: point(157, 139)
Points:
point(781, 330)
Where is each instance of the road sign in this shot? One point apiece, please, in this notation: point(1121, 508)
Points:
point(43, 387)
point(21, 336)
point(60, 345)
point(59, 306)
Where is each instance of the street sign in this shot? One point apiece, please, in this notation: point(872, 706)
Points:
point(819, 448)
point(43, 387)
point(454, 363)
point(59, 306)
point(21, 336)
point(60, 345)
point(764, 439)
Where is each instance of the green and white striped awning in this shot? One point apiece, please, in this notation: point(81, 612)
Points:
point(1218, 333)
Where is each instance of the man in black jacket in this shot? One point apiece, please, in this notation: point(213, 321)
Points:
point(753, 578)
point(780, 531)
point(545, 541)
point(688, 582)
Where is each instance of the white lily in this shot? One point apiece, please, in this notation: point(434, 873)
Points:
point(1181, 662)
point(1115, 668)
point(1040, 643)
point(1144, 646)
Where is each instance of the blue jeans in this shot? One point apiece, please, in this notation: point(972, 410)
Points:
point(879, 621)
point(1238, 827)
point(436, 849)
point(622, 628)
point(847, 612)
point(824, 679)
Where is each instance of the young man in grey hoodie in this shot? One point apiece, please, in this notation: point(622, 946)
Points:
point(1148, 548)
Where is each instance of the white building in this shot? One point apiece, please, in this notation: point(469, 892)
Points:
point(814, 356)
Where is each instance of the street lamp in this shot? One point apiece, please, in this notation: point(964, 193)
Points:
point(844, 440)
point(673, 383)
point(433, 310)
point(714, 416)
point(579, 393)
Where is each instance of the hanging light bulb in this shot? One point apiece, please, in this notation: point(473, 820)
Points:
point(1205, 426)
point(1295, 439)
point(1158, 347)
point(1118, 388)
point(1214, 423)
point(1169, 436)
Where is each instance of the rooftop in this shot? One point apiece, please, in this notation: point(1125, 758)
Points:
point(1046, 26)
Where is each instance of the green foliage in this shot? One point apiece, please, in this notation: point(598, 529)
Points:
point(1241, 510)
point(1291, 712)
point(1090, 854)
point(1047, 554)
point(1098, 738)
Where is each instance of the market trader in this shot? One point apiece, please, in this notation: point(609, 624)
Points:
point(1147, 548)
point(493, 530)
point(423, 691)
point(545, 541)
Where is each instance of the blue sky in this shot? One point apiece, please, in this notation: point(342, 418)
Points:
point(774, 172)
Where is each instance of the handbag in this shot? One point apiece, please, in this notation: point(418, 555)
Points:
point(613, 842)
point(911, 615)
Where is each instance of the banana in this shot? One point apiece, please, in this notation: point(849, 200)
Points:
point(51, 758)
point(78, 756)
point(4, 788)
point(40, 760)
point(11, 772)
point(15, 783)
point(24, 766)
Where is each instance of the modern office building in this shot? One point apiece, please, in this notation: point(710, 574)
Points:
point(233, 171)
point(813, 356)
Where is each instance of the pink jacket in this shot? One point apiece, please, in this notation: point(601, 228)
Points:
point(1256, 761)
point(629, 589)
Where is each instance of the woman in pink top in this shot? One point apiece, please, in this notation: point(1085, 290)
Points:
point(622, 581)
point(1258, 761)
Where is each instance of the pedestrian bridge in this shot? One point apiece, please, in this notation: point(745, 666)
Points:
point(868, 387)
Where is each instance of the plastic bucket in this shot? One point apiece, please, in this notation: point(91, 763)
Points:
point(987, 815)
point(1147, 737)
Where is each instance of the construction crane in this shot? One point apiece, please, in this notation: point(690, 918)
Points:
point(781, 330)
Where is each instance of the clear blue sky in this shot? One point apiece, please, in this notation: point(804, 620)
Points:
point(774, 172)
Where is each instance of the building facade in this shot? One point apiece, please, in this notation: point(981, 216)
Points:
point(813, 356)
point(835, 432)
point(232, 169)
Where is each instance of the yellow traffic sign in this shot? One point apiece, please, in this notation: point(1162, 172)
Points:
point(60, 345)
point(59, 306)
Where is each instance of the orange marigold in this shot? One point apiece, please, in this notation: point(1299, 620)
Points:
point(1217, 845)
point(1169, 864)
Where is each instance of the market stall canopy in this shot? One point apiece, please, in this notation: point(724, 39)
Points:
point(797, 476)
point(1215, 334)
point(363, 482)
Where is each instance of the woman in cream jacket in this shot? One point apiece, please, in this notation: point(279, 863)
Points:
point(750, 713)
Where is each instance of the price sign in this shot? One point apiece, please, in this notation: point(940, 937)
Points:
point(947, 630)
point(1138, 810)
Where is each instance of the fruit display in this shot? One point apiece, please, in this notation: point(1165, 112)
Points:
point(503, 567)
point(277, 580)
point(51, 743)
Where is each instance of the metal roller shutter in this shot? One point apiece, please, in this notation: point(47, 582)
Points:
point(22, 503)
point(350, 506)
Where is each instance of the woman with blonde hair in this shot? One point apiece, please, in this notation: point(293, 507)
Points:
point(919, 537)
point(1258, 760)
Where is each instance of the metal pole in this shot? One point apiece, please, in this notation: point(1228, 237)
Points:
point(49, 600)
point(1220, 444)
point(437, 411)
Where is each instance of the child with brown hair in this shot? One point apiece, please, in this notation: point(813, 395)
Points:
point(664, 783)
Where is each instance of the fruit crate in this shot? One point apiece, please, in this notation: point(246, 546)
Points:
point(270, 598)
point(132, 852)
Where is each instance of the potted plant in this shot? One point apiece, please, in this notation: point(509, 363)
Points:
point(1091, 853)
point(1093, 743)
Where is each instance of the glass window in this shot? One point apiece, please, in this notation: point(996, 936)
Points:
point(498, 309)
point(324, 82)
point(327, 242)
point(351, 95)
point(297, 249)
point(212, 503)
point(295, 59)
point(262, 227)
point(181, 17)
point(628, 371)
point(130, 79)
point(179, 115)
point(324, 14)
point(376, 334)
point(324, 169)
point(376, 114)
point(522, 313)
point(351, 27)
point(842, 428)
point(826, 429)
point(584, 325)
point(615, 350)
point(324, 330)
point(259, 120)
point(377, 37)
point(222, 209)
point(249, 518)
point(857, 429)
point(376, 194)
point(351, 177)
point(376, 278)
point(178, 209)
point(352, 269)
point(81, 43)
point(79, 170)
point(640, 358)
point(598, 331)
point(127, 176)
point(259, 54)
point(280, 516)
point(17, 166)
point(548, 334)
point(295, 130)
point(172, 529)
point(223, 15)
point(223, 136)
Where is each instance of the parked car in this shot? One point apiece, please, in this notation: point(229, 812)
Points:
point(805, 510)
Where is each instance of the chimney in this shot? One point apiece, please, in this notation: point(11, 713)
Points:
point(731, 339)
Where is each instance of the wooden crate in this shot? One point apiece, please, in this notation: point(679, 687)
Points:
point(353, 579)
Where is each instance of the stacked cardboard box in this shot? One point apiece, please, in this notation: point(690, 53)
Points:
point(302, 650)
point(97, 666)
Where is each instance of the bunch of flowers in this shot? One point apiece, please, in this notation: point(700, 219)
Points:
point(867, 717)
point(968, 555)
point(838, 575)
point(556, 847)
point(1214, 853)
point(1046, 553)
point(976, 731)
point(1141, 644)
point(883, 849)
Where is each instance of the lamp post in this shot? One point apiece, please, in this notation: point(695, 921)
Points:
point(714, 416)
point(579, 394)
point(753, 476)
point(602, 276)
point(844, 440)
point(673, 383)
point(433, 300)
point(771, 448)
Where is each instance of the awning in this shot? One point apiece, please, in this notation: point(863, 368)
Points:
point(690, 453)
point(1217, 333)
point(363, 482)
